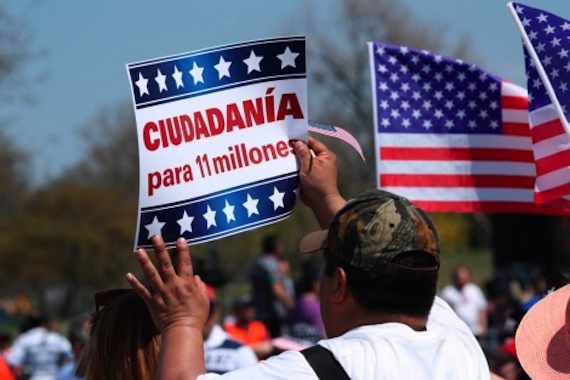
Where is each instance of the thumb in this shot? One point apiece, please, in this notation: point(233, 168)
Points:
point(304, 155)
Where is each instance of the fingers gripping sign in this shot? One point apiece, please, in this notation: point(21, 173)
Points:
point(318, 179)
point(176, 297)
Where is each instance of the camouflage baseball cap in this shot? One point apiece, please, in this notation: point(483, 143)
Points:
point(372, 229)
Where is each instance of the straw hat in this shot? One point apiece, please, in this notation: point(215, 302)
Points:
point(543, 337)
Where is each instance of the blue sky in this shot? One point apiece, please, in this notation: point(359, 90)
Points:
point(87, 44)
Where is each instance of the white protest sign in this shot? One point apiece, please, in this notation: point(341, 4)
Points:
point(214, 129)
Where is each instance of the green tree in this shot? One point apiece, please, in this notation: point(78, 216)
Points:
point(13, 164)
point(15, 50)
point(72, 237)
point(112, 157)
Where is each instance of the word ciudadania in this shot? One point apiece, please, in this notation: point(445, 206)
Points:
point(186, 128)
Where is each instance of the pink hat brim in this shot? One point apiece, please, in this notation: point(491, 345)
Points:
point(542, 345)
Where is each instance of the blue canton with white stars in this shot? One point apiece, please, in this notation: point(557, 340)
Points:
point(550, 37)
point(421, 92)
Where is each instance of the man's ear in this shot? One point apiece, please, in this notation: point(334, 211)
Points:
point(340, 289)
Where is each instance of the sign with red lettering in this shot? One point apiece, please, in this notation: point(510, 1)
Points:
point(214, 129)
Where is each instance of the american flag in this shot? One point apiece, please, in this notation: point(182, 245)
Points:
point(546, 39)
point(336, 132)
point(451, 136)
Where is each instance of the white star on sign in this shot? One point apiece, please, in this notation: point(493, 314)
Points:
point(161, 80)
point(177, 75)
point(210, 217)
point(229, 211)
point(223, 68)
point(287, 58)
point(253, 62)
point(185, 223)
point(155, 228)
point(277, 199)
point(196, 73)
point(251, 206)
point(142, 84)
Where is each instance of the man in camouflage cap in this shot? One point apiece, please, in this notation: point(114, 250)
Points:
point(373, 229)
point(377, 294)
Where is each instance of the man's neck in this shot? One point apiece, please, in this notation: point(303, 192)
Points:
point(371, 318)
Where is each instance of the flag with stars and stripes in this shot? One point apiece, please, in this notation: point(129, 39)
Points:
point(338, 133)
point(214, 129)
point(451, 136)
point(546, 41)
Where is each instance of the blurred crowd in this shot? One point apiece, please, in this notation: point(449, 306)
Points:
point(494, 311)
point(279, 312)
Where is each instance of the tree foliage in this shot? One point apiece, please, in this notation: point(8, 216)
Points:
point(112, 156)
point(14, 185)
point(14, 52)
point(78, 237)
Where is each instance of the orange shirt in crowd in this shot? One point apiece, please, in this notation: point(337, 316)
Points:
point(5, 371)
point(253, 334)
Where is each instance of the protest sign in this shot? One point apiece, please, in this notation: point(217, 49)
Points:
point(214, 129)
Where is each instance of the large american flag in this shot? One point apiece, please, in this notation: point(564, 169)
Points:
point(451, 136)
point(546, 39)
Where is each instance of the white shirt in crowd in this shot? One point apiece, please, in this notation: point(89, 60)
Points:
point(467, 303)
point(40, 352)
point(222, 354)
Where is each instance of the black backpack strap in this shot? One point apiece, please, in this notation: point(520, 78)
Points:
point(324, 363)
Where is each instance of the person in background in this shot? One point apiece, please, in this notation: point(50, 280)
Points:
point(307, 306)
point(268, 288)
point(40, 351)
point(378, 293)
point(124, 343)
point(468, 301)
point(244, 328)
point(298, 336)
point(288, 286)
point(6, 372)
point(222, 353)
point(78, 336)
point(5, 343)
